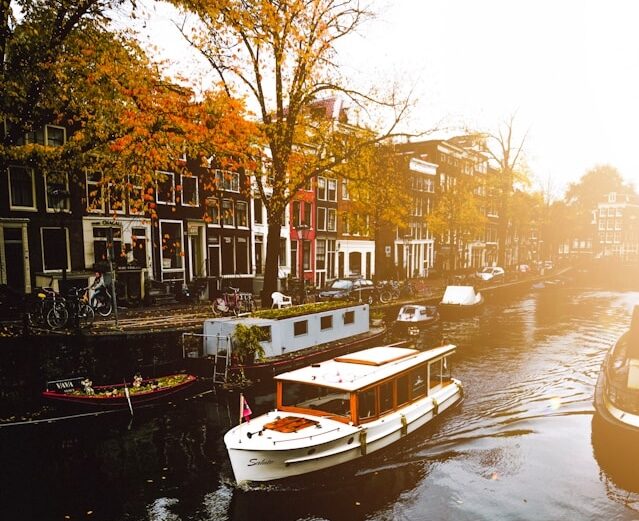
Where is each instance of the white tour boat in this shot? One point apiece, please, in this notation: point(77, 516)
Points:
point(342, 409)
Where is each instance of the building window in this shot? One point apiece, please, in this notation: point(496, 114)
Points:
point(227, 181)
point(296, 213)
point(136, 194)
point(95, 192)
point(55, 249)
point(306, 261)
point(321, 188)
point(320, 254)
point(300, 327)
point(257, 211)
point(332, 190)
point(138, 245)
point(241, 217)
point(282, 254)
point(242, 255)
point(345, 194)
point(115, 200)
point(307, 209)
point(166, 188)
point(259, 254)
point(172, 240)
point(56, 136)
point(56, 186)
point(213, 206)
point(190, 194)
point(330, 264)
point(321, 218)
point(21, 188)
point(326, 322)
point(105, 237)
point(228, 218)
point(332, 220)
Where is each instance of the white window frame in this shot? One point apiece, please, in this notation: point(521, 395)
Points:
point(321, 223)
point(334, 190)
point(66, 231)
point(67, 208)
point(322, 181)
point(100, 187)
point(232, 212)
point(237, 221)
point(157, 188)
point(182, 249)
point(345, 195)
point(228, 185)
point(12, 206)
point(46, 135)
point(197, 190)
point(332, 211)
point(132, 188)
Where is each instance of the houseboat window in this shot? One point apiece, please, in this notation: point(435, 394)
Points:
point(402, 390)
point(265, 333)
point(385, 397)
point(318, 397)
point(366, 404)
point(349, 317)
point(326, 322)
point(300, 327)
point(418, 378)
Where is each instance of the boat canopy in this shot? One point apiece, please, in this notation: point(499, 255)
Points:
point(460, 295)
point(363, 368)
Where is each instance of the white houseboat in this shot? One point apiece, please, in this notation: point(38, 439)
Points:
point(342, 409)
point(302, 336)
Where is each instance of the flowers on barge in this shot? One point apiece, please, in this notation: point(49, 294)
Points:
point(138, 386)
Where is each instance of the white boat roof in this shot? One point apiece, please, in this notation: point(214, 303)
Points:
point(363, 368)
point(459, 295)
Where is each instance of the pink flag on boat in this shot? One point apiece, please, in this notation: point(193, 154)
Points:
point(245, 410)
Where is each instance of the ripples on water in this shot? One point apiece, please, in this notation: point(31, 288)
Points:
point(522, 445)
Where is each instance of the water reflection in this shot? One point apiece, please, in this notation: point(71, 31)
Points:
point(522, 444)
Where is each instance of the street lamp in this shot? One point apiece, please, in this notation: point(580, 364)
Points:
point(302, 233)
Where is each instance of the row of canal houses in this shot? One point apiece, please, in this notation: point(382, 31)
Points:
point(57, 232)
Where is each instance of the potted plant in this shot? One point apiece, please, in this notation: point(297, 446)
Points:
point(376, 318)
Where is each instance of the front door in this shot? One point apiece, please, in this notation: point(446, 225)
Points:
point(13, 259)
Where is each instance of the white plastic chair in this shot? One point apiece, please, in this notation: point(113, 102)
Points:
point(280, 300)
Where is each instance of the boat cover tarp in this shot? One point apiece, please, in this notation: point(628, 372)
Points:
point(460, 295)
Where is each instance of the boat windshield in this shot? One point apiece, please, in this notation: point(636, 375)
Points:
point(324, 400)
point(342, 284)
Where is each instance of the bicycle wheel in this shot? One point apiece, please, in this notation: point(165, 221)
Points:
point(35, 315)
point(57, 316)
point(385, 296)
point(85, 315)
point(103, 307)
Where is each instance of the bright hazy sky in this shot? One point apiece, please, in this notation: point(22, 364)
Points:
point(568, 69)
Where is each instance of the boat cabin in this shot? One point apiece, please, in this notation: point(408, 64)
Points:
point(363, 386)
point(290, 334)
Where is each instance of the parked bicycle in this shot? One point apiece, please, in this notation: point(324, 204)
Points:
point(46, 308)
point(227, 303)
point(80, 312)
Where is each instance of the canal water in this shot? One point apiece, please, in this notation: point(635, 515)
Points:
point(523, 445)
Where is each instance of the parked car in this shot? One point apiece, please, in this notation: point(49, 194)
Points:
point(351, 288)
point(490, 273)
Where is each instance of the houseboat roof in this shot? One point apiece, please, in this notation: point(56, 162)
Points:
point(363, 368)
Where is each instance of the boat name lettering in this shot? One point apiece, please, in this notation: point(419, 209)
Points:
point(254, 461)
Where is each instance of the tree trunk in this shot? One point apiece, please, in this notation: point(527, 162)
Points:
point(271, 269)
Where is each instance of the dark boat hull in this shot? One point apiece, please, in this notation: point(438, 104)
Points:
point(120, 401)
point(459, 310)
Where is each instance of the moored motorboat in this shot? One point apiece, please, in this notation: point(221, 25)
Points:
point(460, 301)
point(342, 409)
point(414, 317)
point(617, 390)
point(82, 391)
